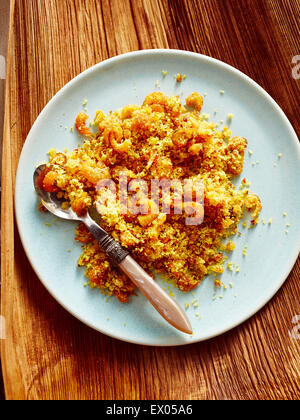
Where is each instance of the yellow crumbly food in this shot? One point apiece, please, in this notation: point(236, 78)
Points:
point(159, 139)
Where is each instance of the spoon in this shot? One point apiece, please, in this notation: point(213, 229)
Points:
point(168, 308)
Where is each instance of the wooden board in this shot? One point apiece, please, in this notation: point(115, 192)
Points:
point(47, 354)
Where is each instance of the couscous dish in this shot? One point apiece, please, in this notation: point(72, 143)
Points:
point(159, 140)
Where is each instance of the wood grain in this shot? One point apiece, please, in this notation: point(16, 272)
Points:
point(47, 353)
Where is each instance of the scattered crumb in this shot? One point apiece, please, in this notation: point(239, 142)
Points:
point(222, 92)
point(217, 282)
point(250, 152)
point(230, 116)
point(284, 214)
point(85, 101)
point(230, 265)
point(279, 155)
point(72, 129)
point(179, 77)
point(270, 221)
point(164, 72)
point(286, 232)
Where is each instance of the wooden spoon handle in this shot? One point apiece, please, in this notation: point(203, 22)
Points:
point(162, 302)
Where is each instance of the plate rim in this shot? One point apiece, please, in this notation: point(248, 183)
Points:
point(29, 139)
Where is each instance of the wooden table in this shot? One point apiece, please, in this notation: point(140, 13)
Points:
point(48, 354)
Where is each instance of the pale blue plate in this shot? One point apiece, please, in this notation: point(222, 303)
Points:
point(271, 251)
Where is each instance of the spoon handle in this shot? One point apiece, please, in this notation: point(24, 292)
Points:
point(162, 302)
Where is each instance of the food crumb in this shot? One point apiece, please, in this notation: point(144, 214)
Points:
point(85, 101)
point(286, 231)
point(230, 116)
point(270, 221)
point(164, 72)
point(279, 155)
point(250, 152)
point(217, 282)
point(222, 92)
point(284, 214)
point(179, 77)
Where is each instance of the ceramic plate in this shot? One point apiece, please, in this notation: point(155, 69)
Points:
point(271, 248)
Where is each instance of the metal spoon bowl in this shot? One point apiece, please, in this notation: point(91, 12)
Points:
point(168, 308)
